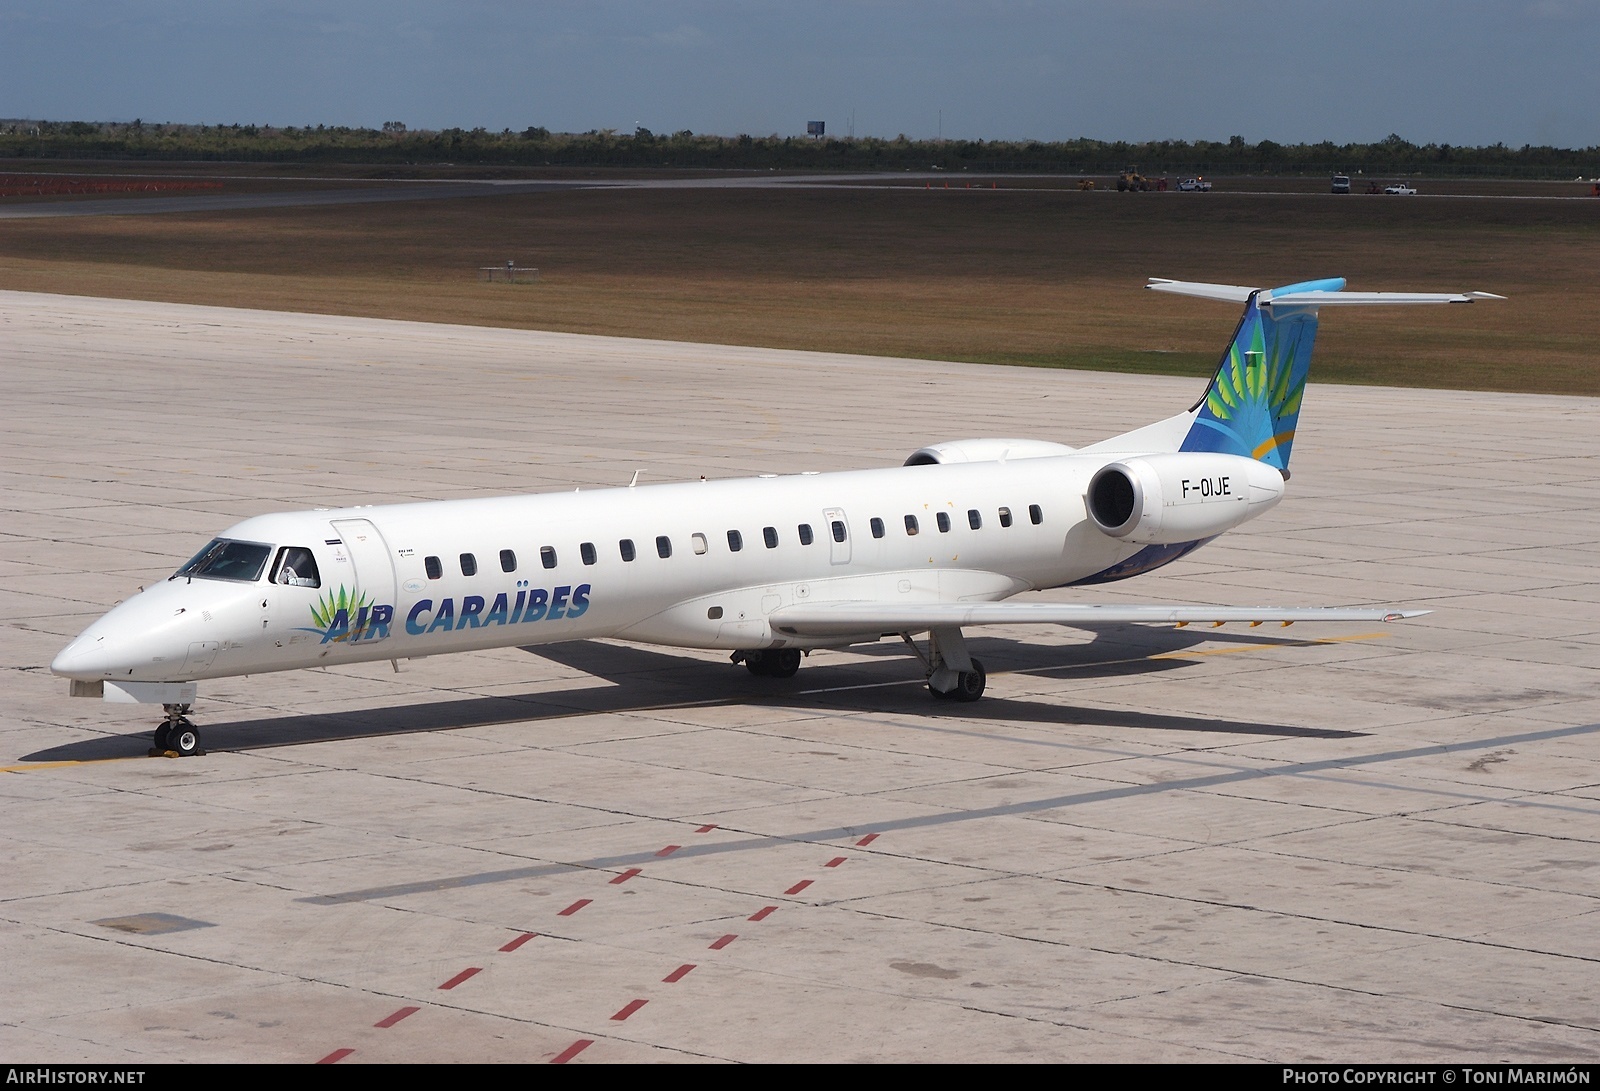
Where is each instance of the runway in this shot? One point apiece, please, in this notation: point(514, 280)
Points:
point(1342, 843)
point(366, 193)
point(325, 191)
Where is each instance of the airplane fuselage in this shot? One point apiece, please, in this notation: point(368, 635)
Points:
point(700, 564)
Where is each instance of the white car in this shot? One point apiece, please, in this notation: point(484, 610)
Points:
point(1401, 189)
point(1194, 185)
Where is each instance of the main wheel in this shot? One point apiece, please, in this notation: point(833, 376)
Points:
point(184, 738)
point(969, 684)
point(162, 735)
point(783, 663)
point(757, 663)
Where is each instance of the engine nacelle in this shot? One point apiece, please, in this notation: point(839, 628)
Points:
point(986, 450)
point(1166, 499)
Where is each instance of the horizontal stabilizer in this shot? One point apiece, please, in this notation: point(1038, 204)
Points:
point(1335, 299)
point(1227, 293)
point(1320, 293)
point(840, 618)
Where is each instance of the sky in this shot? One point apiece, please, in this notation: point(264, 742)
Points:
point(1466, 72)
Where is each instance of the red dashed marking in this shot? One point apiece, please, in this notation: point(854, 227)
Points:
point(626, 875)
point(706, 829)
point(867, 840)
point(572, 1051)
point(678, 974)
point(669, 850)
point(763, 913)
point(798, 887)
point(835, 862)
point(385, 1024)
point(724, 941)
point(574, 907)
point(336, 1056)
point(519, 941)
point(470, 971)
point(628, 1009)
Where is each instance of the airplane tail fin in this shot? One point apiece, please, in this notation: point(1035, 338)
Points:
point(1252, 406)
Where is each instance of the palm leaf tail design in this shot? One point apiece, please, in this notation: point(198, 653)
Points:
point(326, 609)
point(1253, 405)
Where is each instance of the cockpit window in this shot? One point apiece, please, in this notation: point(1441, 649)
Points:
point(296, 567)
point(227, 560)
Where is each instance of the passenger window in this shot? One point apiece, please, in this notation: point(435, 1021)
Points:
point(805, 533)
point(1005, 517)
point(877, 527)
point(296, 568)
point(911, 525)
point(838, 531)
point(974, 520)
point(586, 551)
point(434, 568)
point(1035, 514)
point(735, 541)
point(770, 535)
point(697, 542)
point(469, 565)
point(547, 556)
point(663, 547)
point(625, 547)
point(508, 560)
point(944, 522)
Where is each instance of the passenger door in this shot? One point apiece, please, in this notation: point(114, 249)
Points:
point(374, 570)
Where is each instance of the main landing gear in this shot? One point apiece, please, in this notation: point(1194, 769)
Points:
point(953, 675)
point(770, 663)
point(969, 684)
point(177, 735)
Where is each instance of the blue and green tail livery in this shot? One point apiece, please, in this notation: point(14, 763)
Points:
point(1252, 406)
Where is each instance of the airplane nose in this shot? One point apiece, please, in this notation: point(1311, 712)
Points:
point(85, 658)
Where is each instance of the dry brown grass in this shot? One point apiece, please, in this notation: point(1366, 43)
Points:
point(1005, 276)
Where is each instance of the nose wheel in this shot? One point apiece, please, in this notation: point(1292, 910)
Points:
point(176, 735)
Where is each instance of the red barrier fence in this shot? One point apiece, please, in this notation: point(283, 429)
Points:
point(26, 185)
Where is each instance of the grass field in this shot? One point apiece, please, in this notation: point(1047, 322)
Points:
point(1043, 277)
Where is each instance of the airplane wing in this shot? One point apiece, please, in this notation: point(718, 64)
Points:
point(845, 618)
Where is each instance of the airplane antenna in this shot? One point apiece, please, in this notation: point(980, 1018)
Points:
point(635, 480)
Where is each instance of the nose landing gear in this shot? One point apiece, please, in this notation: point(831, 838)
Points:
point(177, 736)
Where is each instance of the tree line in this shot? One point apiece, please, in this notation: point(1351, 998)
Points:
point(395, 143)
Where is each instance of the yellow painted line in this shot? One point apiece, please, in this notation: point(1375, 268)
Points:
point(1266, 647)
point(62, 764)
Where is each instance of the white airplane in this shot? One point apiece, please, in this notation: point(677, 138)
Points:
point(766, 567)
